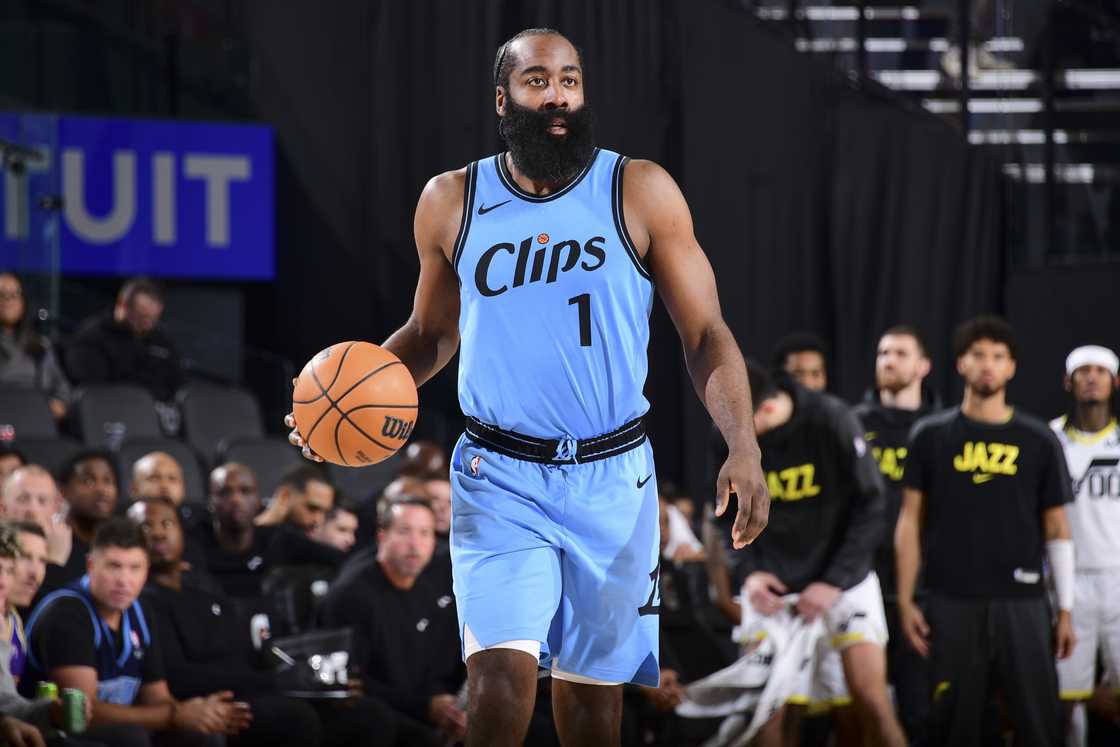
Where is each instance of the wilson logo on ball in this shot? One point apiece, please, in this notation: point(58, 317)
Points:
point(396, 428)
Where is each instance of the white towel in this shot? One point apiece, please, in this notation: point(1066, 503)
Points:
point(762, 680)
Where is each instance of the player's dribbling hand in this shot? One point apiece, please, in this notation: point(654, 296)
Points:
point(817, 599)
point(764, 590)
point(1064, 639)
point(914, 626)
point(297, 440)
point(742, 475)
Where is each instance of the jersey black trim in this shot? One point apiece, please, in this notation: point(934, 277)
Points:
point(468, 208)
point(508, 181)
point(620, 217)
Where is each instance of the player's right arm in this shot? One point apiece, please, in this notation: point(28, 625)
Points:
point(430, 337)
point(908, 556)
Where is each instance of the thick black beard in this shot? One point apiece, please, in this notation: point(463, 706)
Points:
point(546, 158)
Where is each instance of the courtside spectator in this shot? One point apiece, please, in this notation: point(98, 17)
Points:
point(301, 500)
point(27, 359)
point(29, 494)
point(406, 634)
point(158, 475)
point(94, 635)
point(206, 645)
point(240, 554)
point(31, 569)
point(340, 529)
point(127, 345)
point(89, 485)
point(802, 355)
point(44, 714)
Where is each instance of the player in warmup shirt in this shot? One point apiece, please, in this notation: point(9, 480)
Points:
point(538, 265)
point(983, 502)
point(825, 521)
point(1090, 438)
point(901, 365)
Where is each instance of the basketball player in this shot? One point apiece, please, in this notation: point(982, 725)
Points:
point(541, 261)
point(989, 484)
point(1091, 440)
point(901, 366)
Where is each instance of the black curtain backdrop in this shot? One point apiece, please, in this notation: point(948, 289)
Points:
point(821, 207)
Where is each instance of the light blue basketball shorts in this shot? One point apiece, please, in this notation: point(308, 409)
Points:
point(562, 554)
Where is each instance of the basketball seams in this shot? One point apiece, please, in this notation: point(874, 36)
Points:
point(315, 376)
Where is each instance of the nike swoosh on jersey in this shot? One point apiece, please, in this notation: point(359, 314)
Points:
point(642, 483)
point(982, 478)
point(483, 210)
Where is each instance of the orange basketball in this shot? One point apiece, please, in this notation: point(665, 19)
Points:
point(355, 404)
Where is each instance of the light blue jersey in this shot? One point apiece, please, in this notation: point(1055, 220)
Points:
point(555, 545)
point(555, 303)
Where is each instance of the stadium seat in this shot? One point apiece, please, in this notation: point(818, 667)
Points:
point(131, 451)
point(362, 483)
point(49, 453)
point(24, 414)
point(269, 458)
point(107, 416)
point(212, 414)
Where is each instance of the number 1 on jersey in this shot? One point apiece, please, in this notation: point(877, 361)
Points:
point(584, 302)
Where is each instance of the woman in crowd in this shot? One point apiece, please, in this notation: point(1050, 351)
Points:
point(26, 358)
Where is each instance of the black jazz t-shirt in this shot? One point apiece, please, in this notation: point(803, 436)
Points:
point(986, 486)
point(826, 507)
point(887, 432)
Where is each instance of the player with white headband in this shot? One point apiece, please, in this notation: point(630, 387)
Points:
point(1091, 440)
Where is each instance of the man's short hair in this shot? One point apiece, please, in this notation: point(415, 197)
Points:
point(32, 470)
point(298, 476)
point(906, 330)
point(386, 505)
point(342, 502)
point(797, 342)
point(504, 62)
point(9, 541)
point(28, 526)
point(763, 384)
point(120, 532)
point(138, 286)
point(985, 327)
point(70, 467)
point(7, 448)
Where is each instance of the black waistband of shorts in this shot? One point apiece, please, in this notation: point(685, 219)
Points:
point(557, 450)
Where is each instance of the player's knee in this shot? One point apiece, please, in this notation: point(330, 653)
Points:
point(502, 674)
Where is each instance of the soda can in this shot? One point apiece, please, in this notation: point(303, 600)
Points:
point(73, 711)
point(47, 690)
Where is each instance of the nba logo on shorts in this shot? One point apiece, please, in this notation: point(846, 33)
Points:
point(475, 463)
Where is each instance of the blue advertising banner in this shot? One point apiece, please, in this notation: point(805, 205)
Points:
point(117, 196)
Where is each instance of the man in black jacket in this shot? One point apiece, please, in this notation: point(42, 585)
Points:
point(127, 346)
point(825, 522)
point(206, 644)
point(238, 554)
point(406, 635)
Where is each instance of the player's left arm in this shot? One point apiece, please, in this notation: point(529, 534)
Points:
point(658, 219)
point(1059, 549)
